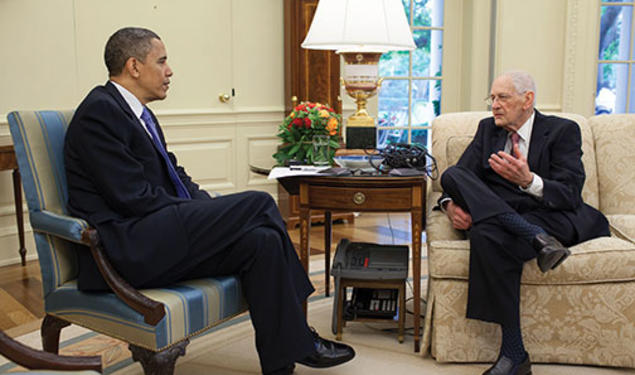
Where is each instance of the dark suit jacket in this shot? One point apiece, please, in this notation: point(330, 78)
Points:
point(117, 180)
point(555, 155)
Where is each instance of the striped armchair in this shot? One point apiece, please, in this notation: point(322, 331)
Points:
point(157, 323)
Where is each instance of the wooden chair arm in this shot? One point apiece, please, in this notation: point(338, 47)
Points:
point(41, 360)
point(152, 311)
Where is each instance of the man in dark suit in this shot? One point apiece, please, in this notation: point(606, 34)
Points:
point(158, 227)
point(516, 190)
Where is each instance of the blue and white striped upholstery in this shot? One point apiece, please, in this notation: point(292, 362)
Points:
point(45, 372)
point(191, 307)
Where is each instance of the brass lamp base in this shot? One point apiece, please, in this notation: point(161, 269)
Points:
point(361, 83)
point(364, 137)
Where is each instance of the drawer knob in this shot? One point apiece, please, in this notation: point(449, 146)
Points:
point(359, 198)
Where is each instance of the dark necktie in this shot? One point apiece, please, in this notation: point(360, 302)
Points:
point(515, 138)
point(181, 191)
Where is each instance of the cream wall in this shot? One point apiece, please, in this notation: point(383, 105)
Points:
point(52, 55)
point(555, 40)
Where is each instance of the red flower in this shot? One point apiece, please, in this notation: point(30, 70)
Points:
point(301, 107)
point(307, 122)
point(297, 122)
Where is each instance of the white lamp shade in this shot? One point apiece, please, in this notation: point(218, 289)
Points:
point(359, 26)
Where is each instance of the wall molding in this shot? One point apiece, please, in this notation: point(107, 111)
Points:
point(570, 59)
point(194, 134)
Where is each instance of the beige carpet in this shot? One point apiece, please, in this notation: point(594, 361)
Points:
point(231, 351)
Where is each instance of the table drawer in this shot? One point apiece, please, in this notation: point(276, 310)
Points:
point(367, 199)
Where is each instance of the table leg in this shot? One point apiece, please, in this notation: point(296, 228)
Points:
point(416, 217)
point(328, 236)
point(305, 227)
point(17, 197)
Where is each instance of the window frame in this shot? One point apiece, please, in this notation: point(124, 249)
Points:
point(411, 79)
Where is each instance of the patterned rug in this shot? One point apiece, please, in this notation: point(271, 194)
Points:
point(229, 349)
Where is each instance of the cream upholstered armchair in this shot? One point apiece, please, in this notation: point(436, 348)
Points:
point(583, 312)
point(157, 323)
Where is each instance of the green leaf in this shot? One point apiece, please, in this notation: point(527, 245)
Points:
point(295, 148)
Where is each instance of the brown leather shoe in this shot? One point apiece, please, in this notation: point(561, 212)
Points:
point(505, 366)
point(551, 253)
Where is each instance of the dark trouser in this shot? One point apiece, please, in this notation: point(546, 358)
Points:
point(243, 234)
point(496, 255)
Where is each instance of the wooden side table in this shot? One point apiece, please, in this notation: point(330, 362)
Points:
point(7, 162)
point(289, 205)
point(380, 194)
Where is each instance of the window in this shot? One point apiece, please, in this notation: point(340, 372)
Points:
point(410, 95)
point(615, 90)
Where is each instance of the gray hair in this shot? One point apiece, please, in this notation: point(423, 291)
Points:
point(523, 82)
point(126, 43)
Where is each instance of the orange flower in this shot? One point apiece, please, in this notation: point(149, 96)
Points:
point(324, 113)
point(292, 114)
point(331, 126)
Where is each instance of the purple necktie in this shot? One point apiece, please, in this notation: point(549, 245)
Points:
point(181, 191)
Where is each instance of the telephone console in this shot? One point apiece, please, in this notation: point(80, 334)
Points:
point(368, 261)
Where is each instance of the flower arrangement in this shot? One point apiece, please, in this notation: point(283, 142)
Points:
point(297, 130)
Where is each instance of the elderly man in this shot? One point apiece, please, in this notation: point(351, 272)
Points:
point(158, 227)
point(516, 190)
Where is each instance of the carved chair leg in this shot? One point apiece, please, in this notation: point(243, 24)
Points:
point(158, 363)
point(51, 327)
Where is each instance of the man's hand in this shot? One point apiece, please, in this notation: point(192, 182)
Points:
point(514, 169)
point(460, 219)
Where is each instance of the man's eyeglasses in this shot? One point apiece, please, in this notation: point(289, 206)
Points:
point(502, 98)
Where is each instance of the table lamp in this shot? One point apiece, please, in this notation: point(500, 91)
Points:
point(360, 31)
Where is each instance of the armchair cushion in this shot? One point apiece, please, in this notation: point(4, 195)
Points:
point(455, 147)
point(605, 259)
point(191, 307)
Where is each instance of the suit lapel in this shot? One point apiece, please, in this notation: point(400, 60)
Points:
point(538, 135)
point(112, 90)
point(135, 122)
point(500, 138)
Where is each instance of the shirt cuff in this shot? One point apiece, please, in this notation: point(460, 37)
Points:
point(442, 204)
point(535, 188)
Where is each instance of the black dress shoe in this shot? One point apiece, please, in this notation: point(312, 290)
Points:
point(327, 353)
point(287, 370)
point(505, 366)
point(550, 252)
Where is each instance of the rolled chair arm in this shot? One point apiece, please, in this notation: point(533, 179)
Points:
point(64, 226)
point(77, 230)
point(41, 360)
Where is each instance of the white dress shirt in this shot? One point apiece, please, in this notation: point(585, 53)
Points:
point(134, 104)
point(536, 185)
